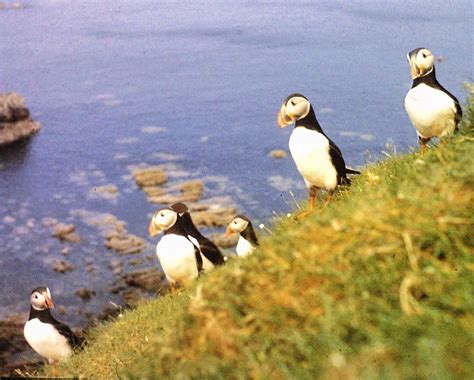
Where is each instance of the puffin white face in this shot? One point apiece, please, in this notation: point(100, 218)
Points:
point(421, 62)
point(41, 299)
point(295, 107)
point(162, 220)
point(237, 225)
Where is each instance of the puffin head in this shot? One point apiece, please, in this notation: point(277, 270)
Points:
point(294, 107)
point(162, 220)
point(41, 298)
point(421, 62)
point(237, 225)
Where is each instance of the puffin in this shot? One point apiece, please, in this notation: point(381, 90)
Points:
point(317, 157)
point(48, 337)
point(248, 241)
point(207, 247)
point(179, 256)
point(433, 110)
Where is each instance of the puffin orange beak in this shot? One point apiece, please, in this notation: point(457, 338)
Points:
point(48, 301)
point(228, 231)
point(152, 229)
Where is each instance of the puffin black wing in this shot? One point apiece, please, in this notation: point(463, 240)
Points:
point(65, 331)
point(211, 252)
point(458, 115)
point(249, 235)
point(338, 162)
point(208, 248)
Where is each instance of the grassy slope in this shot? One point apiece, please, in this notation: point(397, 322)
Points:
point(378, 285)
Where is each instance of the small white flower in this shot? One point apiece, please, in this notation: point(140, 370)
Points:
point(262, 226)
point(288, 215)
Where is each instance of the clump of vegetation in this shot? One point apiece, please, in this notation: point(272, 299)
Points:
point(377, 285)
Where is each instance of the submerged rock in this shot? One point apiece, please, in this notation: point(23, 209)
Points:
point(85, 293)
point(278, 153)
point(125, 243)
point(105, 191)
point(62, 266)
point(113, 229)
point(15, 121)
point(65, 232)
point(214, 216)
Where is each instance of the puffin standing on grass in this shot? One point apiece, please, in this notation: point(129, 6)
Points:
point(248, 241)
point(433, 111)
point(179, 257)
point(48, 337)
point(317, 157)
point(206, 246)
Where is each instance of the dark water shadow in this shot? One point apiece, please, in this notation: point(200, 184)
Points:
point(14, 155)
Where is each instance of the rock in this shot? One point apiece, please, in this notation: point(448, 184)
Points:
point(225, 241)
point(62, 266)
point(195, 188)
point(189, 191)
point(85, 293)
point(149, 279)
point(65, 232)
point(133, 297)
point(108, 312)
point(61, 229)
point(126, 244)
point(15, 121)
point(278, 153)
point(48, 221)
point(214, 216)
point(150, 176)
point(170, 199)
point(153, 191)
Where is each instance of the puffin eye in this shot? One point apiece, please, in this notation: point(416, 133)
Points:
point(162, 214)
point(36, 296)
point(292, 102)
point(235, 222)
point(424, 55)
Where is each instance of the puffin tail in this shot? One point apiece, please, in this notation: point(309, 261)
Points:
point(352, 171)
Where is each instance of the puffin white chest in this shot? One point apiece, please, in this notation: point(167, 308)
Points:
point(310, 151)
point(46, 340)
point(244, 247)
point(177, 258)
point(431, 111)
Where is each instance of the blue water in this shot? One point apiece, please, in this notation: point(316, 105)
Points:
point(208, 78)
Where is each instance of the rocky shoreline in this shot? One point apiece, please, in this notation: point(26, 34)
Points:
point(15, 121)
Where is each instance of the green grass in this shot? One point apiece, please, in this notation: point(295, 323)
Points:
point(378, 285)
